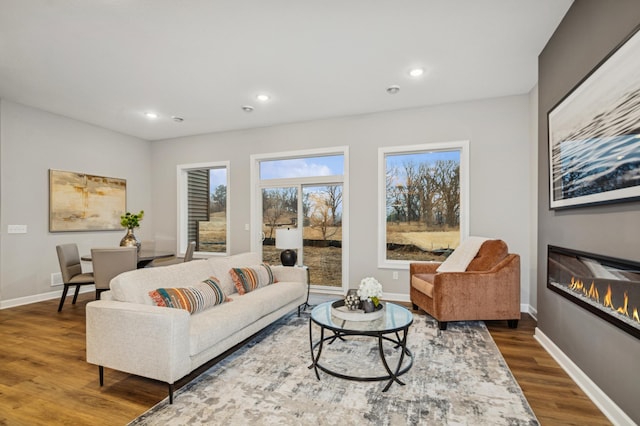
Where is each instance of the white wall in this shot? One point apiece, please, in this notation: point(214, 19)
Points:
point(32, 142)
point(500, 176)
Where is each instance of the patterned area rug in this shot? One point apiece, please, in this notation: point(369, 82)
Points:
point(458, 378)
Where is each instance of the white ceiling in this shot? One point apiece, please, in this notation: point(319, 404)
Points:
point(107, 62)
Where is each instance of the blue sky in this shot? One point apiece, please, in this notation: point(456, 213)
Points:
point(429, 157)
point(217, 177)
point(302, 167)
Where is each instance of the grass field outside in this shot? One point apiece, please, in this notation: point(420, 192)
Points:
point(404, 242)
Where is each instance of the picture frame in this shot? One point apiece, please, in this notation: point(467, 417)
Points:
point(594, 134)
point(84, 202)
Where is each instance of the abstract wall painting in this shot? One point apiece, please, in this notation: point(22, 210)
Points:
point(82, 202)
point(594, 134)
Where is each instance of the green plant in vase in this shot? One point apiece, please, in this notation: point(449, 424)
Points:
point(131, 221)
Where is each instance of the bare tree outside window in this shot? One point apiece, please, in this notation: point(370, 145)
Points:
point(422, 204)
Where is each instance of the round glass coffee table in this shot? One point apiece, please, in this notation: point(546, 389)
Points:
point(392, 326)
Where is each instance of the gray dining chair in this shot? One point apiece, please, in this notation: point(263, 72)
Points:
point(71, 269)
point(110, 262)
point(191, 248)
point(188, 257)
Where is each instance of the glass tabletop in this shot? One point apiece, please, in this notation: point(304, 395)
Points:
point(394, 318)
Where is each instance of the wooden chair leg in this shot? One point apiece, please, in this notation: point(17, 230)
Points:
point(75, 295)
point(64, 296)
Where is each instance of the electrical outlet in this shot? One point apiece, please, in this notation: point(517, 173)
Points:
point(395, 275)
point(56, 279)
point(16, 229)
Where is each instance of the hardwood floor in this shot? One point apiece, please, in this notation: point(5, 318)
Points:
point(44, 378)
point(552, 394)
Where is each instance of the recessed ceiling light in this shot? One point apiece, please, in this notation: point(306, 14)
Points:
point(247, 108)
point(151, 115)
point(392, 90)
point(262, 97)
point(416, 72)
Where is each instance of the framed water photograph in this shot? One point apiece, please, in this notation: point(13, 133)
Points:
point(82, 202)
point(594, 134)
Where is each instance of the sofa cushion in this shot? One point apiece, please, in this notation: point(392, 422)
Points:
point(194, 299)
point(221, 265)
point(490, 254)
point(249, 278)
point(423, 283)
point(134, 286)
point(210, 327)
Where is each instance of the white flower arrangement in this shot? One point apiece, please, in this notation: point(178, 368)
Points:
point(370, 288)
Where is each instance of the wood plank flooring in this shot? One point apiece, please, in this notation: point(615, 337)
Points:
point(44, 378)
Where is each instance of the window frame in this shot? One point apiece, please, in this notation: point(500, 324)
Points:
point(463, 147)
point(182, 214)
point(256, 199)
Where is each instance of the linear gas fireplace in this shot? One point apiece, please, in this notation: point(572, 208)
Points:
point(606, 286)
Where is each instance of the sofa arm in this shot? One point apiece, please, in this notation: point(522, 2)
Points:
point(148, 341)
point(290, 273)
point(423, 268)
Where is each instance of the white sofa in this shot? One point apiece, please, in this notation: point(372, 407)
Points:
point(126, 331)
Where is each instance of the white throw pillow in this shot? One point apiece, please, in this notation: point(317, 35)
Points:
point(462, 255)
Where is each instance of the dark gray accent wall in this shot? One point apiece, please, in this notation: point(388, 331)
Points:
point(609, 356)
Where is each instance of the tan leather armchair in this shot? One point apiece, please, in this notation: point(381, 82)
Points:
point(489, 289)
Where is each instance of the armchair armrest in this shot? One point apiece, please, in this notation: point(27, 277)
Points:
point(148, 341)
point(423, 267)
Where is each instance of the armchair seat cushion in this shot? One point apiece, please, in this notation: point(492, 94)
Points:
point(423, 283)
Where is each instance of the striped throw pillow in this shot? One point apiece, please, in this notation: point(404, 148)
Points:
point(252, 277)
point(194, 299)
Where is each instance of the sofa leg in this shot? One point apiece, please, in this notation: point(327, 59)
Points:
point(442, 325)
point(170, 393)
point(415, 307)
point(512, 323)
point(101, 375)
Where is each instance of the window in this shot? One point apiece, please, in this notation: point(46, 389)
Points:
point(203, 211)
point(423, 202)
point(304, 190)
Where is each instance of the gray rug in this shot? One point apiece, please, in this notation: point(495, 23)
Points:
point(458, 378)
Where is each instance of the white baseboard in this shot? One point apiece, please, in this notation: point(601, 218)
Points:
point(599, 398)
point(531, 311)
point(4, 304)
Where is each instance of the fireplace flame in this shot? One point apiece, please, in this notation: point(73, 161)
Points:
point(623, 309)
point(607, 299)
point(593, 292)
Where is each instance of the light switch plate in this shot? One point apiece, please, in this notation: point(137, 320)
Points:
point(17, 229)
